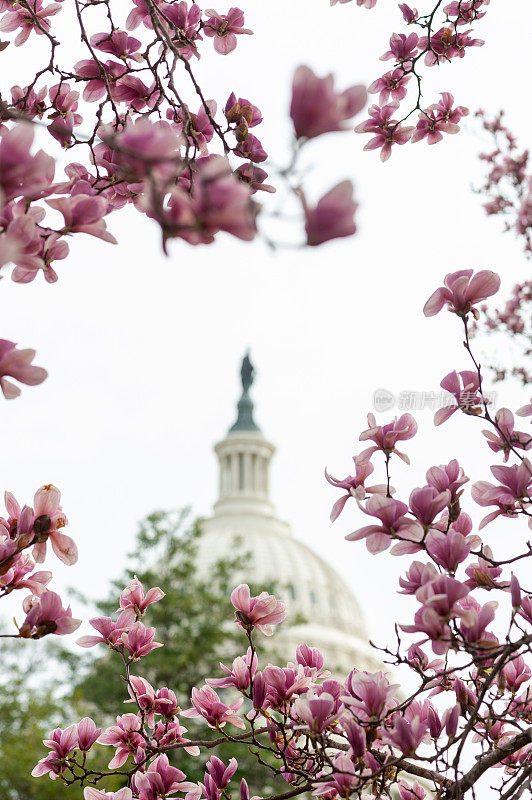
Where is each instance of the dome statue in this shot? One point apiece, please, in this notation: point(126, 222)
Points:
point(312, 590)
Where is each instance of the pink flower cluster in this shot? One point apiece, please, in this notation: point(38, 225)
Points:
point(361, 721)
point(33, 527)
point(409, 52)
point(127, 634)
point(165, 167)
point(316, 109)
point(508, 183)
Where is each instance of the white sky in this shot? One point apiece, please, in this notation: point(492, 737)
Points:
point(144, 351)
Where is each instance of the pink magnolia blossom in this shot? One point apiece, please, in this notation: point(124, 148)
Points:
point(526, 608)
point(318, 713)
point(64, 101)
point(208, 705)
point(392, 86)
point(516, 672)
point(426, 503)
point(99, 75)
point(110, 631)
point(461, 291)
point(316, 108)
point(142, 694)
point(394, 525)
point(19, 525)
point(250, 147)
point(38, 254)
point(221, 774)
point(131, 90)
point(474, 621)
point(446, 111)
point(482, 574)
point(144, 148)
point(161, 780)
point(168, 733)
point(89, 793)
point(406, 735)
point(283, 683)
point(355, 736)
point(448, 549)
point(439, 599)
point(138, 641)
point(261, 612)
point(431, 128)
point(447, 477)
point(118, 44)
point(239, 110)
point(32, 103)
point(417, 575)
point(125, 737)
point(387, 436)
point(354, 485)
point(49, 519)
point(369, 694)
point(133, 597)
point(61, 744)
point(526, 410)
point(165, 703)
point(218, 202)
point(333, 216)
point(512, 494)
point(88, 733)
point(198, 126)
point(311, 659)
point(403, 48)
point(46, 616)
point(225, 28)
point(258, 695)
point(17, 576)
point(254, 177)
point(140, 14)
point(410, 15)
point(464, 387)
point(28, 19)
point(506, 438)
point(446, 44)
point(439, 118)
point(15, 363)
point(21, 245)
point(185, 21)
point(83, 214)
point(239, 676)
point(21, 173)
point(341, 781)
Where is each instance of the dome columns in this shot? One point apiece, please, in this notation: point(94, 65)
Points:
point(244, 459)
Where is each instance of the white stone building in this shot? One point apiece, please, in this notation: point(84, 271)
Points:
point(309, 586)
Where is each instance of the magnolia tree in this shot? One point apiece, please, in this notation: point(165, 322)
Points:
point(141, 131)
point(467, 722)
point(468, 718)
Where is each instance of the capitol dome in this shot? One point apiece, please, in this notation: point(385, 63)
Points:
point(312, 590)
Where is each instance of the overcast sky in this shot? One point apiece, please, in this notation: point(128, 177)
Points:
point(144, 351)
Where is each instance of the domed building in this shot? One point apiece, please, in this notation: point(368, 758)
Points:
point(311, 588)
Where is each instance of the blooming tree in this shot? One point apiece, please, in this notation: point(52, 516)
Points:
point(142, 132)
point(467, 719)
